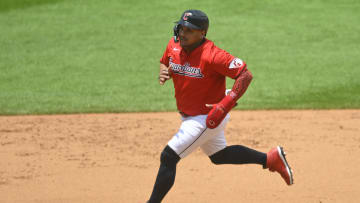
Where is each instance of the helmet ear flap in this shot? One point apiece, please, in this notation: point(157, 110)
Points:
point(176, 32)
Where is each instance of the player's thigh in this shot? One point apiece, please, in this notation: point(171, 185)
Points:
point(190, 135)
point(193, 133)
point(215, 144)
point(216, 139)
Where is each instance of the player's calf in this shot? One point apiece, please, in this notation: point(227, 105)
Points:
point(166, 175)
point(238, 154)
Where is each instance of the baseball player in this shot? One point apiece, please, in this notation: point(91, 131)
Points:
point(198, 70)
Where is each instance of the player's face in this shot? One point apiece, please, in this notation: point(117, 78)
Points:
point(190, 36)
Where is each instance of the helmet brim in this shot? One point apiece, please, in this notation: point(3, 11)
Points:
point(187, 24)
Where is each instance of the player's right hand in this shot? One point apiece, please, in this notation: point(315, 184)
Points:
point(164, 74)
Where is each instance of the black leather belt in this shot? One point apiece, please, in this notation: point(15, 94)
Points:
point(183, 114)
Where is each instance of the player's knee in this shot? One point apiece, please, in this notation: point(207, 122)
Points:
point(169, 157)
point(218, 157)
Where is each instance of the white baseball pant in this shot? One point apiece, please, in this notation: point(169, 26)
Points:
point(193, 133)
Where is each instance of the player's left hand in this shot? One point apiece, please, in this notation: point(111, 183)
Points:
point(212, 105)
point(216, 115)
point(218, 111)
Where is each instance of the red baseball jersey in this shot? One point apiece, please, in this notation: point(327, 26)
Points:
point(199, 77)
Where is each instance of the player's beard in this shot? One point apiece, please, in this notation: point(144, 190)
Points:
point(184, 42)
point(189, 47)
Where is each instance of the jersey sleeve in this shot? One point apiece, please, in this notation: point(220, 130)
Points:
point(165, 58)
point(226, 64)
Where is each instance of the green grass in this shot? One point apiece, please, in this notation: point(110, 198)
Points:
point(77, 56)
point(8, 5)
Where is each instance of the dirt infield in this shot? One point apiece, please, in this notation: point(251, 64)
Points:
point(110, 158)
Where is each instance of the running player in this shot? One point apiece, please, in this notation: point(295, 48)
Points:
point(198, 69)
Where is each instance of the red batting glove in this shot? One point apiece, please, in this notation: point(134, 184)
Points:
point(219, 111)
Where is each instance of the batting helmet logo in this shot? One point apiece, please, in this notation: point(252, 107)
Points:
point(186, 15)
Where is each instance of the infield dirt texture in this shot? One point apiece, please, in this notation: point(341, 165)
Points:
point(114, 158)
point(88, 56)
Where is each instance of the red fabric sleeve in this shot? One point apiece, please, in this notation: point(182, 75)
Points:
point(227, 65)
point(241, 84)
point(219, 111)
point(165, 58)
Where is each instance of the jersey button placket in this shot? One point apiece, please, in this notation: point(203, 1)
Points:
point(185, 56)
